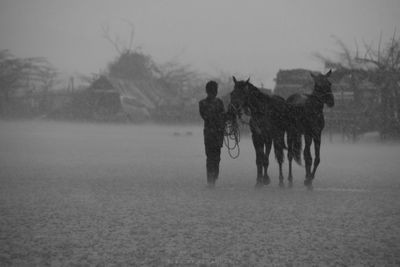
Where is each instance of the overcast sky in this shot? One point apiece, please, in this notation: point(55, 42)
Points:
point(245, 38)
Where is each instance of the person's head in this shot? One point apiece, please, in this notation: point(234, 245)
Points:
point(212, 89)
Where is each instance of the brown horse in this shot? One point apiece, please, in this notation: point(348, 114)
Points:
point(306, 117)
point(267, 124)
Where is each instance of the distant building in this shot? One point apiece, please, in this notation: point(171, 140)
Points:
point(139, 100)
point(288, 82)
point(104, 98)
point(347, 93)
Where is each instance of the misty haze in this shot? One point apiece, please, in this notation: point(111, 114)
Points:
point(152, 133)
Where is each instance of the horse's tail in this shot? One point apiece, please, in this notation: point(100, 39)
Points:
point(295, 144)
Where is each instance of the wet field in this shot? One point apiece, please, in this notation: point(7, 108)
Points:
point(112, 195)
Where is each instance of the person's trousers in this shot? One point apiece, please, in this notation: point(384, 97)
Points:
point(213, 141)
point(213, 153)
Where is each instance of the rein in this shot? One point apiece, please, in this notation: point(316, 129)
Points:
point(232, 130)
point(232, 133)
point(319, 95)
point(254, 109)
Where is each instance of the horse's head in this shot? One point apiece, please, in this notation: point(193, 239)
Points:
point(240, 95)
point(322, 88)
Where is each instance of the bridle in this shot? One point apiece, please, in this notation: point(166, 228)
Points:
point(319, 96)
point(247, 103)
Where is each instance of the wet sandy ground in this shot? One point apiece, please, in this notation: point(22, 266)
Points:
point(107, 195)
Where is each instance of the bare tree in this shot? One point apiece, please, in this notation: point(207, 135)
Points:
point(345, 64)
point(130, 63)
point(178, 78)
point(384, 63)
point(381, 65)
point(119, 45)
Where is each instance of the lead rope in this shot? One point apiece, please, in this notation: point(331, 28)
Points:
point(232, 133)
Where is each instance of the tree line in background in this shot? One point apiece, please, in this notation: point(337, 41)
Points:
point(24, 76)
point(26, 84)
point(19, 77)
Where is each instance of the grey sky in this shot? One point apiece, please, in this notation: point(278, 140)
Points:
point(245, 38)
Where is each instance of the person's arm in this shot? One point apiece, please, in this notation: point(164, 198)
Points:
point(202, 112)
point(221, 115)
point(221, 106)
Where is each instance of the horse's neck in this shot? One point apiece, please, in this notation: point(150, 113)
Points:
point(315, 92)
point(258, 101)
point(316, 99)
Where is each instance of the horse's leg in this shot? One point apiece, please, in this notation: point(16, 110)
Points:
point(278, 148)
point(290, 156)
point(317, 146)
point(268, 146)
point(259, 148)
point(308, 159)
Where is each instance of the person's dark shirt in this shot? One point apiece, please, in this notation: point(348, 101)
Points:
point(212, 111)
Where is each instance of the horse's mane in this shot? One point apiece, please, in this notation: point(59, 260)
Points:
point(260, 95)
point(272, 102)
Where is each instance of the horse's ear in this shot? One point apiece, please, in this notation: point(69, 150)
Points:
point(312, 75)
point(328, 73)
point(248, 80)
point(234, 79)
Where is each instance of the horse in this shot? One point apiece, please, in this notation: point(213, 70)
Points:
point(267, 124)
point(306, 117)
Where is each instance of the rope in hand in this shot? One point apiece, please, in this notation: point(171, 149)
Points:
point(232, 134)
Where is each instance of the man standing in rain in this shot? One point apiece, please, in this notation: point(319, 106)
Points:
point(212, 111)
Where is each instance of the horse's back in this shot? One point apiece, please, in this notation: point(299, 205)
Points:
point(297, 100)
point(303, 114)
point(278, 112)
point(296, 111)
point(279, 104)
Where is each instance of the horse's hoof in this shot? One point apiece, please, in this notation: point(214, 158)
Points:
point(281, 184)
point(210, 185)
point(266, 182)
point(290, 183)
point(308, 184)
point(258, 185)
